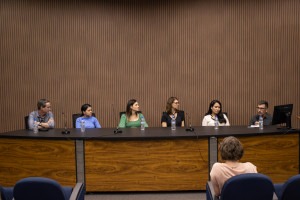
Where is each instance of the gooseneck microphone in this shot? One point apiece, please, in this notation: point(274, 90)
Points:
point(116, 131)
point(65, 131)
point(190, 128)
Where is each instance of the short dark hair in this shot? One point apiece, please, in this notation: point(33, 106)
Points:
point(263, 102)
point(231, 149)
point(84, 107)
point(42, 103)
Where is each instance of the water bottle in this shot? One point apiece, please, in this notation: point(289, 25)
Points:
point(261, 122)
point(173, 123)
point(216, 122)
point(35, 126)
point(82, 126)
point(142, 123)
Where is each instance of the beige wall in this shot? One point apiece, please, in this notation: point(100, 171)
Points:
point(106, 52)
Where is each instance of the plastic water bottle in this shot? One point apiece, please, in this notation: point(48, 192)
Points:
point(35, 126)
point(82, 126)
point(261, 122)
point(173, 123)
point(142, 123)
point(216, 122)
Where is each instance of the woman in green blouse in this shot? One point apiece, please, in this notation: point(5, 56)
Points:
point(132, 118)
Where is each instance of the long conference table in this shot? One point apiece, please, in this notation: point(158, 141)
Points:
point(157, 159)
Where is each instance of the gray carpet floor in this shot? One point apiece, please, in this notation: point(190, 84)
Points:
point(148, 196)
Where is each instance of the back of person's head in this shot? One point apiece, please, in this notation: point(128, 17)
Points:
point(169, 104)
point(84, 107)
point(231, 149)
point(261, 102)
point(128, 107)
point(42, 103)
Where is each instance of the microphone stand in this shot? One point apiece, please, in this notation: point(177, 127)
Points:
point(190, 129)
point(66, 131)
point(116, 131)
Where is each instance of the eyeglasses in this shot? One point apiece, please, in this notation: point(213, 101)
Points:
point(260, 108)
point(176, 102)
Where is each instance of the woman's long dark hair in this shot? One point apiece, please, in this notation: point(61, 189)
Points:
point(128, 109)
point(84, 107)
point(169, 105)
point(220, 114)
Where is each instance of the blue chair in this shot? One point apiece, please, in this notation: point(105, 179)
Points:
point(288, 190)
point(6, 193)
point(250, 186)
point(37, 188)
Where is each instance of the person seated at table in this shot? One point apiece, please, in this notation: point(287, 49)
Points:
point(262, 110)
point(132, 117)
point(43, 115)
point(172, 111)
point(215, 109)
point(231, 150)
point(89, 120)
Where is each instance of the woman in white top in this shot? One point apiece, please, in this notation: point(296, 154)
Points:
point(215, 109)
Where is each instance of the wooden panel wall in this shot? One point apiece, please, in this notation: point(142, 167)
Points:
point(106, 52)
point(23, 158)
point(158, 165)
point(276, 156)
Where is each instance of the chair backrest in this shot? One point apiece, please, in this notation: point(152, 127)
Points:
point(248, 186)
point(291, 189)
point(75, 116)
point(26, 122)
point(37, 188)
point(6, 193)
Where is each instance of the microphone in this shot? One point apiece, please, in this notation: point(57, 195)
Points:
point(190, 121)
point(116, 131)
point(66, 131)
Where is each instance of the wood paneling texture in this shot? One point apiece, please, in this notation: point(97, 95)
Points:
point(146, 165)
point(21, 158)
point(276, 156)
point(106, 52)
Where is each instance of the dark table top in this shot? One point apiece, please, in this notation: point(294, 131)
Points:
point(149, 133)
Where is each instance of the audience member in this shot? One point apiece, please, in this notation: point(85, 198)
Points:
point(231, 150)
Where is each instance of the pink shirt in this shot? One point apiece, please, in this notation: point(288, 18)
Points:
point(220, 172)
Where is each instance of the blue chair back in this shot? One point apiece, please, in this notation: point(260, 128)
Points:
point(37, 188)
point(6, 193)
point(290, 189)
point(250, 186)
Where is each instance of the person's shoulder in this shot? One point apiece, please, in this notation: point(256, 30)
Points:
point(250, 165)
point(268, 115)
point(217, 165)
point(206, 116)
point(217, 168)
point(33, 112)
point(78, 118)
point(93, 118)
point(50, 114)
